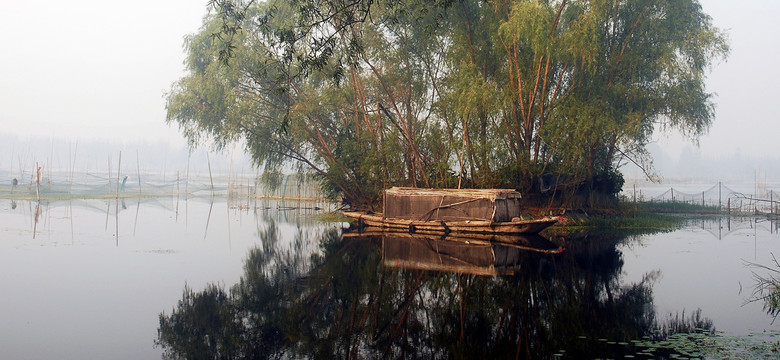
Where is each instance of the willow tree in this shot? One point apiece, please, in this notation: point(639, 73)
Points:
point(572, 88)
point(512, 63)
point(644, 69)
point(255, 95)
point(361, 123)
point(370, 94)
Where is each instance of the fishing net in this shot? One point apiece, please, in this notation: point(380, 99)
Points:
point(711, 197)
point(762, 200)
point(67, 185)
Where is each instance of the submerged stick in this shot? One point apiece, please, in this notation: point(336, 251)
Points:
point(116, 219)
point(208, 219)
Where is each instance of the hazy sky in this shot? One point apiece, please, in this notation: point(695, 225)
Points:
point(86, 69)
point(745, 85)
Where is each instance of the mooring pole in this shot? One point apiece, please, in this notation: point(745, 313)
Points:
point(720, 205)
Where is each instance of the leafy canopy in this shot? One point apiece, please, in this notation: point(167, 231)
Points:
point(370, 94)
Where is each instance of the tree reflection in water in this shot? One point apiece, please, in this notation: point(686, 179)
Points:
point(345, 303)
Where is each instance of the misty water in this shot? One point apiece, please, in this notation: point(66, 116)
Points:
point(91, 278)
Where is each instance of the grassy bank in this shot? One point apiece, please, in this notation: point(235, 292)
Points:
point(641, 222)
point(635, 217)
point(671, 208)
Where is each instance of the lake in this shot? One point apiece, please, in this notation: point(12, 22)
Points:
point(91, 279)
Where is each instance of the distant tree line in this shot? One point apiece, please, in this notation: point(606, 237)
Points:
point(458, 93)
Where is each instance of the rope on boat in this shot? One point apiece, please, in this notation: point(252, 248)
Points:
point(427, 215)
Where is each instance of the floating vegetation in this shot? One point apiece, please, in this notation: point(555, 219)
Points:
point(683, 336)
point(698, 344)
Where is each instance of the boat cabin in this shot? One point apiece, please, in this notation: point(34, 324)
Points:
point(496, 205)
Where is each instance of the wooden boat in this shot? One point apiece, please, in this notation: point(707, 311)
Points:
point(442, 226)
point(489, 211)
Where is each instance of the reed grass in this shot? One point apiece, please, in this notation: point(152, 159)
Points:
point(331, 217)
point(638, 221)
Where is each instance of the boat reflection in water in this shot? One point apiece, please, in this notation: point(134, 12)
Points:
point(489, 255)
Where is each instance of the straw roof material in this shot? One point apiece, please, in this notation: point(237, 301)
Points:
point(490, 194)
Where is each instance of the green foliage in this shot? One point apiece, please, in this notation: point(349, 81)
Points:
point(608, 182)
point(641, 223)
point(370, 94)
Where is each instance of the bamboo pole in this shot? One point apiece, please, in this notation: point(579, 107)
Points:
point(118, 174)
point(138, 171)
point(109, 183)
point(230, 171)
point(37, 175)
point(73, 166)
point(257, 176)
point(51, 161)
point(187, 176)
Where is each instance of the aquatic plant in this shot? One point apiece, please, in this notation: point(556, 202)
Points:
point(767, 287)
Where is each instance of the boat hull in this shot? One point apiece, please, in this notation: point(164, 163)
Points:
point(441, 226)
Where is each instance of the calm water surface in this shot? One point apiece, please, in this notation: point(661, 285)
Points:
point(91, 278)
point(73, 289)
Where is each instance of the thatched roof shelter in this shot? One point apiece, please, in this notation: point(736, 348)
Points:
point(498, 205)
